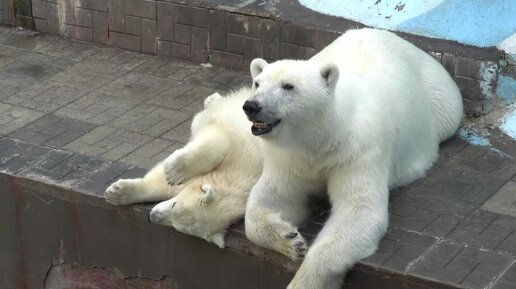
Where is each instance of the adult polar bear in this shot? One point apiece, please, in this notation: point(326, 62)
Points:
point(364, 115)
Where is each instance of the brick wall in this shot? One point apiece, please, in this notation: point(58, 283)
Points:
point(173, 30)
point(217, 35)
point(7, 12)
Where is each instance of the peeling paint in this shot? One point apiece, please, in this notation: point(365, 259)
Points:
point(488, 74)
point(509, 125)
point(506, 89)
point(64, 276)
point(373, 12)
point(475, 22)
point(472, 137)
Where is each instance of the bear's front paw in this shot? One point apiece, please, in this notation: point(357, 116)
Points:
point(121, 192)
point(282, 237)
point(295, 246)
point(175, 168)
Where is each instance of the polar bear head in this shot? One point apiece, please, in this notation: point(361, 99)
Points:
point(288, 92)
point(196, 211)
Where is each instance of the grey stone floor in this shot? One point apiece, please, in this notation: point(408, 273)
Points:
point(456, 226)
point(101, 101)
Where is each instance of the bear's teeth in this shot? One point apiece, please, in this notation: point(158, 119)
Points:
point(259, 124)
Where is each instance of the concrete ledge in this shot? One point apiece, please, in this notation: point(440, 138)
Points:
point(59, 237)
point(56, 229)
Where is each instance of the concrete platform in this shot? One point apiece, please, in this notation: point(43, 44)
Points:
point(76, 116)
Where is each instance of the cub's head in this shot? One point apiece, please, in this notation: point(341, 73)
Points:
point(194, 211)
point(288, 93)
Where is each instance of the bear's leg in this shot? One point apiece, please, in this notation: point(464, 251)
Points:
point(358, 220)
point(200, 156)
point(272, 216)
point(152, 187)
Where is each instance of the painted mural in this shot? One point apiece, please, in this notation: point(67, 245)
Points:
point(479, 23)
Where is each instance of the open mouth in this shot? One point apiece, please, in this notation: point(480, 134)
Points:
point(261, 127)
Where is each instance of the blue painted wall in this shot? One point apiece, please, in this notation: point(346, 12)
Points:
point(480, 23)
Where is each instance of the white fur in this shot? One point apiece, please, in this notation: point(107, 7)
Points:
point(366, 114)
point(210, 177)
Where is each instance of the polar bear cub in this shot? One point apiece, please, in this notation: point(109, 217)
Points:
point(364, 115)
point(206, 183)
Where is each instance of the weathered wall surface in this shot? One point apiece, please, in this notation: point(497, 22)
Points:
point(51, 238)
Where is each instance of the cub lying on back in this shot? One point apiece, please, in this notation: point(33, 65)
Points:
point(206, 183)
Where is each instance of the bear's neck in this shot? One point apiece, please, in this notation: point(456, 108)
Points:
point(321, 135)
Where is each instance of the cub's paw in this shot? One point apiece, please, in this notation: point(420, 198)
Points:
point(210, 99)
point(122, 192)
point(176, 169)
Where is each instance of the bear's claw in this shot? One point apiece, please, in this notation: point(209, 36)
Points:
point(298, 248)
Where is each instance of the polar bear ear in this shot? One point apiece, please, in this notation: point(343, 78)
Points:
point(330, 73)
point(257, 65)
point(218, 239)
point(208, 194)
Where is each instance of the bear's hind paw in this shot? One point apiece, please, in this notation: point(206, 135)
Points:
point(121, 192)
point(175, 169)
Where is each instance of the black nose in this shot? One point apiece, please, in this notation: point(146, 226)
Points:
point(252, 108)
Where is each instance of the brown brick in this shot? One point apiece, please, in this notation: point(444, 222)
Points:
point(39, 9)
point(77, 32)
point(252, 50)
point(164, 48)
point(310, 52)
point(53, 25)
point(226, 59)
point(141, 8)
point(100, 27)
point(292, 51)
point(132, 25)
point(325, 38)
point(448, 61)
point(191, 16)
point(180, 51)
point(299, 35)
point(467, 67)
point(116, 15)
point(271, 34)
point(149, 36)
point(469, 88)
point(83, 17)
point(198, 47)
point(99, 5)
point(23, 8)
point(165, 20)
point(182, 33)
point(124, 41)
point(245, 25)
point(41, 25)
point(25, 21)
point(235, 43)
point(217, 30)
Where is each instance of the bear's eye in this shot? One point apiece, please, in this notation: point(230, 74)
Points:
point(173, 205)
point(288, 86)
point(256, 84)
